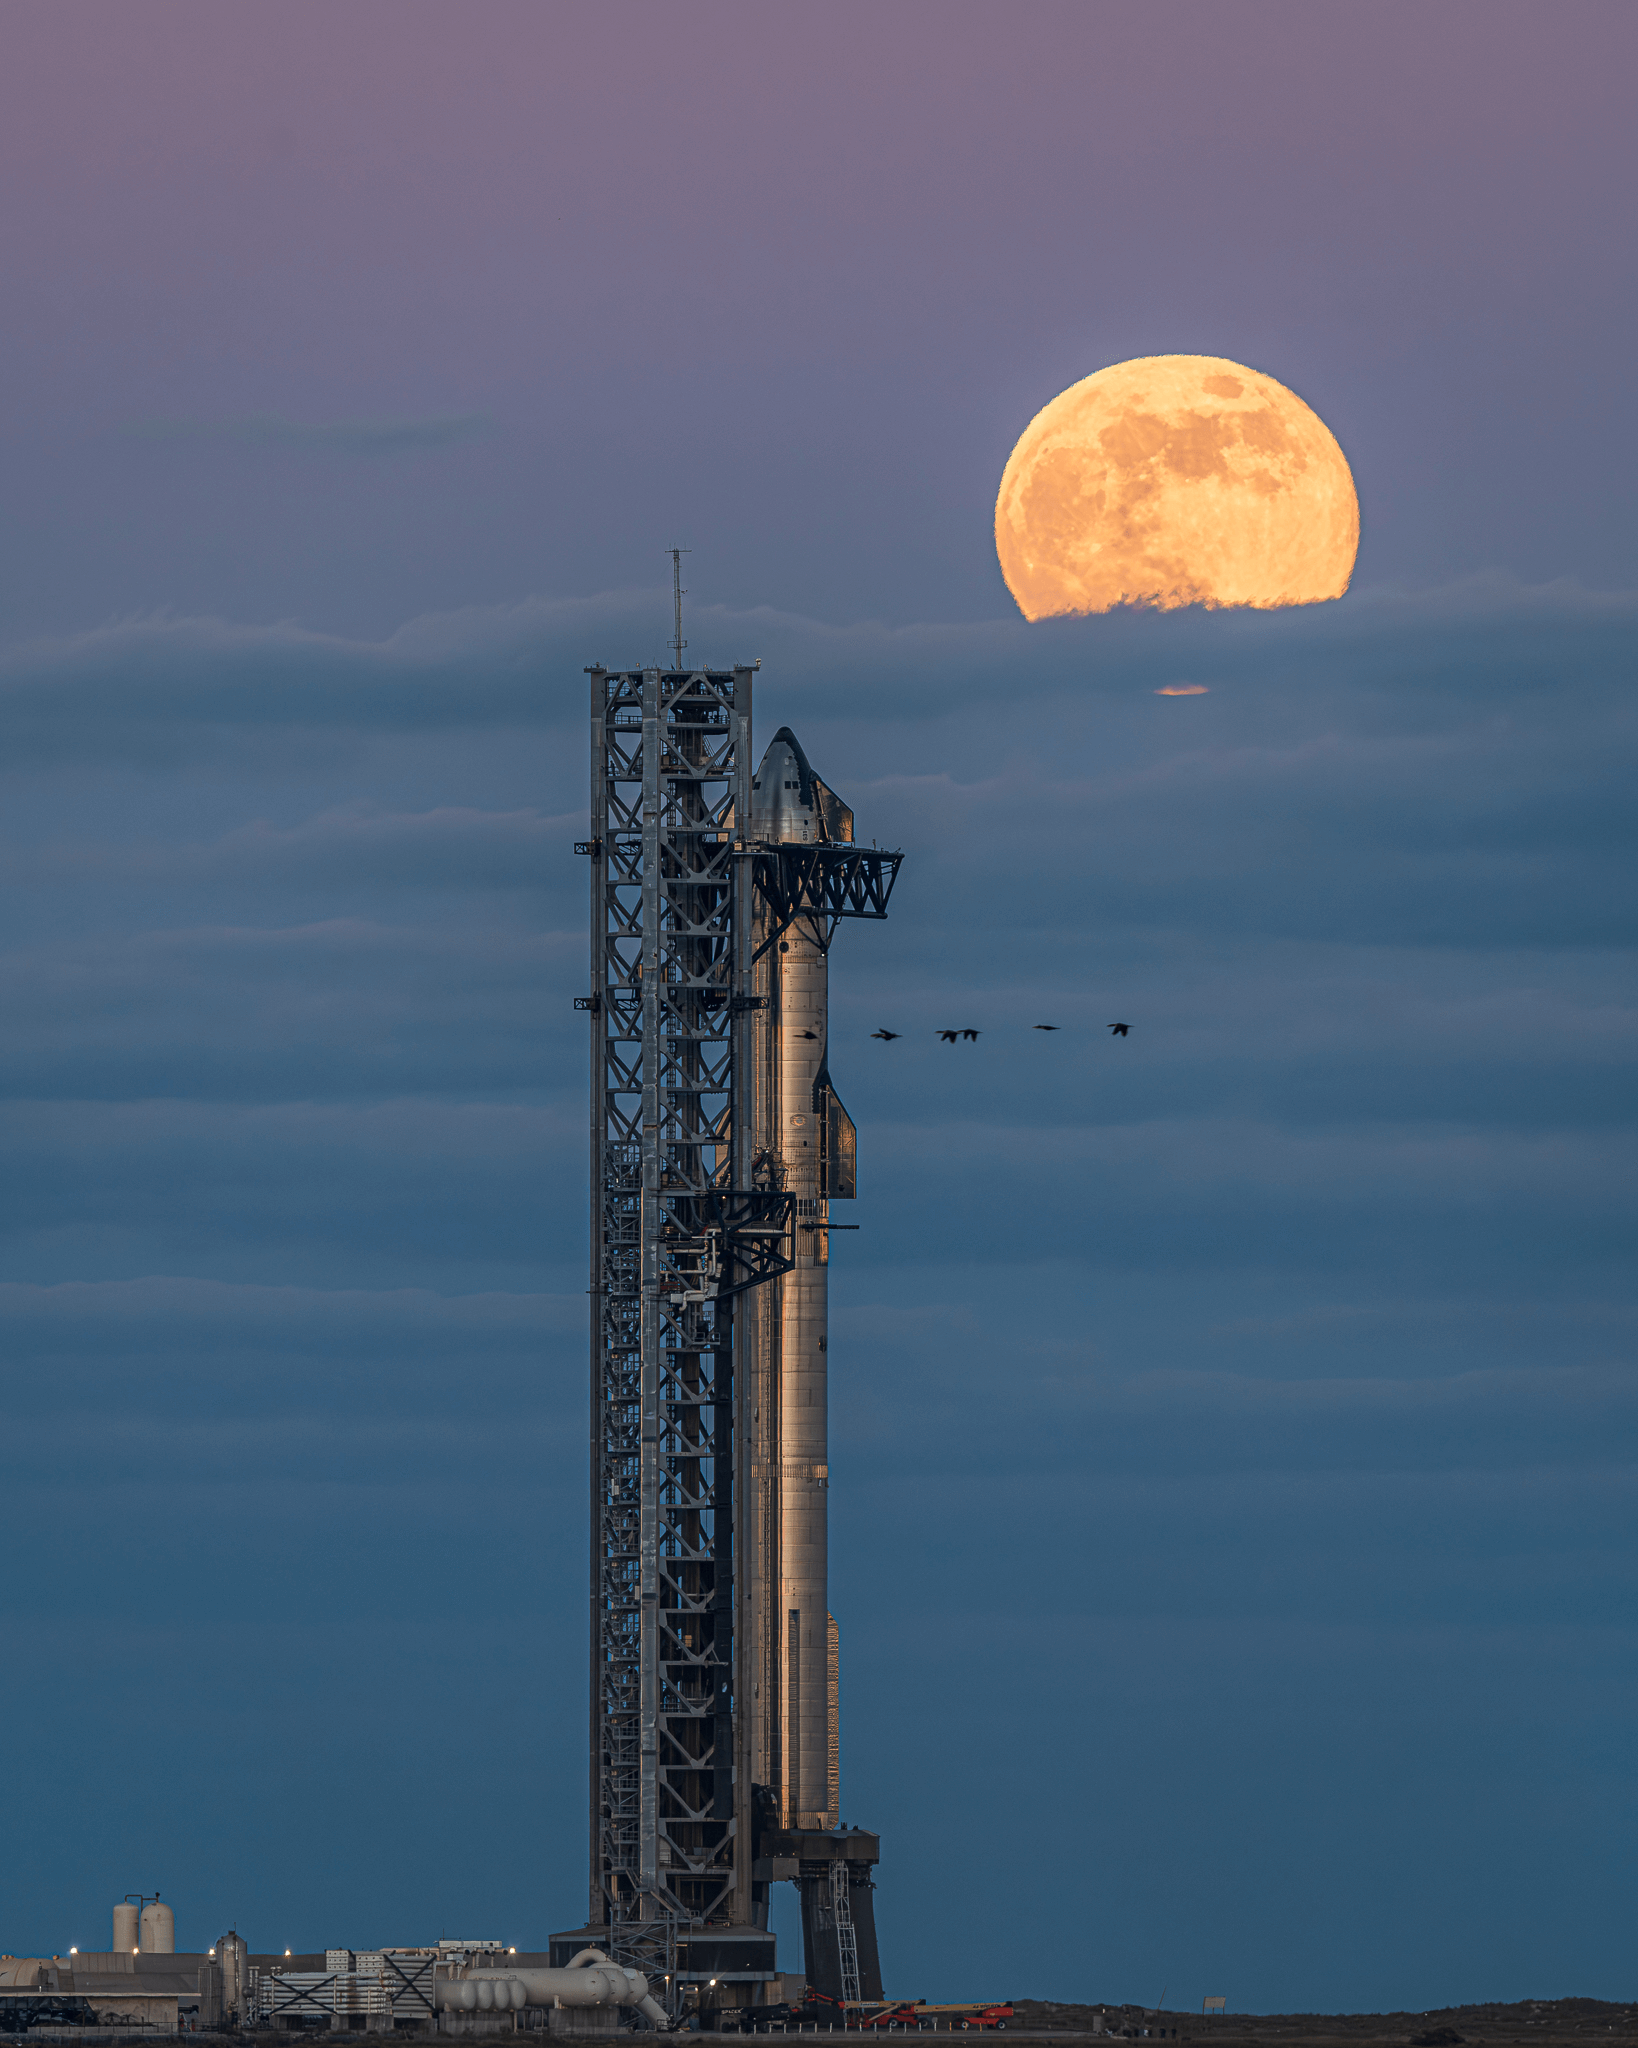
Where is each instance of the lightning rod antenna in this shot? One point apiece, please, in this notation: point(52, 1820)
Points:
point(678, 643)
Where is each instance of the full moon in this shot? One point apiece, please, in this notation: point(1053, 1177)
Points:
point(1175, 480)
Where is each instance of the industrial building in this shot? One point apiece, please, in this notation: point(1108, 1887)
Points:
point(143, 1984)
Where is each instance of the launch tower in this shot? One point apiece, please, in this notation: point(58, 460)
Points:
point(718, 1143)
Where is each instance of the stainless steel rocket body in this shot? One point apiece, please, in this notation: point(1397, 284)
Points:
point(793, 979)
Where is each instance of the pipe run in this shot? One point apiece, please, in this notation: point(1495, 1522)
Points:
point(589, 1979)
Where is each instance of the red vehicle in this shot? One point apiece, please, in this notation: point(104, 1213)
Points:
point(906, 2014)
point(965, 2016)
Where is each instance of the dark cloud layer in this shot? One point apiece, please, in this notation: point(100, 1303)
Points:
point(1488, 639)
point(1234, 1423)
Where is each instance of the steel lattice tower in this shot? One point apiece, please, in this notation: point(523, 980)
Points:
point(685, 1223)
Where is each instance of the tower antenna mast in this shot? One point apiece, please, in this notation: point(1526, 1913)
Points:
point(678, 643)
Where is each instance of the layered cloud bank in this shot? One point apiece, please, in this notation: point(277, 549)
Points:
point(1248, 1395)
point(515, 664)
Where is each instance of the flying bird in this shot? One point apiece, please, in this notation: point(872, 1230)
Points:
point(950, 1037)
point(1046, 1027)
point(807, 1034)
point(887, 1034)
point(1120, 1030)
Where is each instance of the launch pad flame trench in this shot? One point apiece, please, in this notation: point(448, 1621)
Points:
point(718, 1143)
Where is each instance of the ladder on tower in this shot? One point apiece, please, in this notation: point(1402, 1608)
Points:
point(846, 1940)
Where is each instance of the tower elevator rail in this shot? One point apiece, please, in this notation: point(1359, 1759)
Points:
point(679, 1234)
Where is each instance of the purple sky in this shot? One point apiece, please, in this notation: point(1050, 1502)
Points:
point(1234, 1434)
point(790, 281)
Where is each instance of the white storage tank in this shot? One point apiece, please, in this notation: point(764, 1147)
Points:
point(125, 1928)
point(158, 1937)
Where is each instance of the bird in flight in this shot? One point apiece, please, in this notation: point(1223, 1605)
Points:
point(887, 1034)
point(808, 1034)
point(950, 1037)
point(1046, 1027)
point(1120, 1030)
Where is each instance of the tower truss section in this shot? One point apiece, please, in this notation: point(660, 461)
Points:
point(713, 1751)
point(678, 1236)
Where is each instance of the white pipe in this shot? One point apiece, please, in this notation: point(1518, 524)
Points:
point(591, 1979)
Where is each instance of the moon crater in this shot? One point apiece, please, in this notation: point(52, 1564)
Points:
point(1175, 480)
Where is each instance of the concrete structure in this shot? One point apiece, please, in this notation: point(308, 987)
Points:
point(718, 1144)
point(140, 1982)
point(114, 1989)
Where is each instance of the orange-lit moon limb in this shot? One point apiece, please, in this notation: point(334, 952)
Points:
point(1175, 480)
